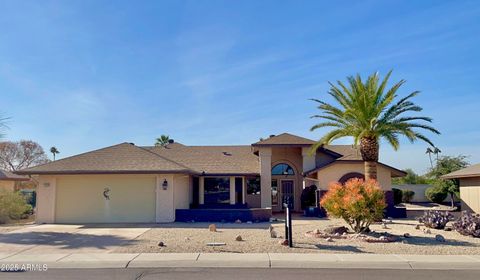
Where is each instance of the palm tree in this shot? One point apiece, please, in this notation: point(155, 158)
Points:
point(436, 152)
point(162, 140)
point(430, 152)
point(366, 111)
point(54, 151)
point(3, 126)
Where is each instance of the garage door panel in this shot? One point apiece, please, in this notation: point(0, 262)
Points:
point(80, 199)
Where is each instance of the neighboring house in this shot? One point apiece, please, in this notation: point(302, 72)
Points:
point(8, 180)
point(469, 179)
point(128, 183)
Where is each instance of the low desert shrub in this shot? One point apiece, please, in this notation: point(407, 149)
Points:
point(12, 206)
point(358, 202)
point(436, 194)
point(397, 196)
point(435, 219)
point(407, 195)
point(468, 224)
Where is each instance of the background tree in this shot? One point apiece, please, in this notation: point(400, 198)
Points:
point(430, 152)
point(162, 140)
point(445, 165)
point(411, 178)
point(54, 151)
point(366, 111)
point(22, 154)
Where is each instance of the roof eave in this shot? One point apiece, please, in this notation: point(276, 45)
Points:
point(453, 176)
point(100, 172)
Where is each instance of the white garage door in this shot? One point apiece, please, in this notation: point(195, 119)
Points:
point(105, 199)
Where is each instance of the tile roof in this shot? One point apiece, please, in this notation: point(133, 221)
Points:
point(284, 139)
point(9, 176)
point(471, 171)
point(121, 158)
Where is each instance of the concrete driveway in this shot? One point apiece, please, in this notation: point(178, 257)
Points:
point(53, 239)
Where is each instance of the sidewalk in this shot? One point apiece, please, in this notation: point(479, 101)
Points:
point(232, 260)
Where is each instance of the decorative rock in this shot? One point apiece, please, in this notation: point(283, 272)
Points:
point(161, 244)
point(383, 238)
point(406, 235)
point(273, 234)
point(337, 234)
point(329, 239)
point(344, 233)
point(239, 238)
point(417, 226)
point(212, 228)
point(283, 242)
point(448, 228)
point(238, 221)
point(427, 231)
point(334, 230)
point(440, 238)
point(317, 231)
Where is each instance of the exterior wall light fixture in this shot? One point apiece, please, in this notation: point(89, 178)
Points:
point(165, 184)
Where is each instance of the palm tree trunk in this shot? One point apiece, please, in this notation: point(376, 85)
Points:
point(369, 150)
point(370, 170)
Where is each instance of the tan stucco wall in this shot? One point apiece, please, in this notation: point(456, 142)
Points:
point(334, 172)
point(7, 185)
point(79, 199)
point(470, 194)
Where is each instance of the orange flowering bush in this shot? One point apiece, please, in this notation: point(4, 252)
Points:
point(358, 202)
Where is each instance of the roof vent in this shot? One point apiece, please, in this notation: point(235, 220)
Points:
point(133, 144)
point(170, 141)
point(272, 135)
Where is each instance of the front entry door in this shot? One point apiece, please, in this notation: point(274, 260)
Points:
point(287, 192)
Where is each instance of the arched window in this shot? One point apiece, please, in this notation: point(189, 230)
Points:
point(349, 176)
point(282, 169)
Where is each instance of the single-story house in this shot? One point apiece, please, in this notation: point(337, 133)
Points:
point(129, 183)
point(8, 180)
point(469, 179)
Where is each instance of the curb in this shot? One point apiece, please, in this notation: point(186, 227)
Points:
point(246, 260)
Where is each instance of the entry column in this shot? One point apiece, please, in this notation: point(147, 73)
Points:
point(266, 177)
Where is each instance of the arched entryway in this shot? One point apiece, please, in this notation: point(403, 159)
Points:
point(284, 177)
point(349, 176)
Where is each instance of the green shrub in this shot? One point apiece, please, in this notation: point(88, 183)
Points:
point(436, 194)
point(407, 195)
point(12, 206)
point(397, 196)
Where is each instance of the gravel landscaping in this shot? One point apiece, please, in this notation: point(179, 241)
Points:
point(193, 237)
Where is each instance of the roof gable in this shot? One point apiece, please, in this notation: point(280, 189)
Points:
point(285, 139)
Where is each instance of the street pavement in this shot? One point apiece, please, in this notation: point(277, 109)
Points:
point(243, 273)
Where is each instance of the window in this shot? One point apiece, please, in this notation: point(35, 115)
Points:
point(282, 169)
point(253, 186)
point(217, 190)
point(274, 192)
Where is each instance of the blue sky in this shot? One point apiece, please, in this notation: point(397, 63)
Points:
point(81, 75)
